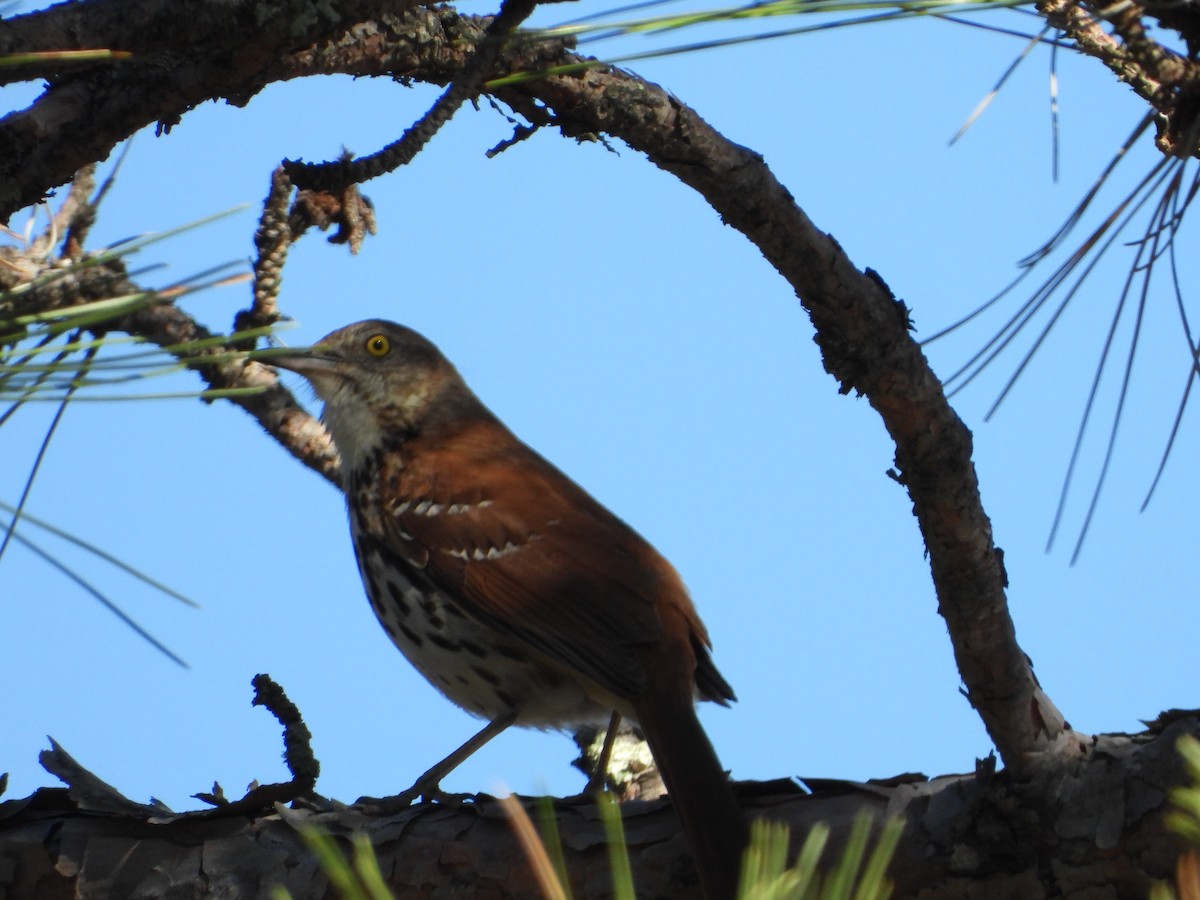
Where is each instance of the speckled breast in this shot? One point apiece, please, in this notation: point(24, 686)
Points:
point(487, 673)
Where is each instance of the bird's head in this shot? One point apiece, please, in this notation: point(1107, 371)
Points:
point(377, 380)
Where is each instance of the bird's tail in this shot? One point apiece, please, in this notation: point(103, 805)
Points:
point(699, 790)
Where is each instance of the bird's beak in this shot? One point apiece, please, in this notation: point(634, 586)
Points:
point(324, 371)
point(306, 361)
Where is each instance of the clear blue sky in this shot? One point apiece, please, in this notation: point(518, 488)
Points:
point(605, 313)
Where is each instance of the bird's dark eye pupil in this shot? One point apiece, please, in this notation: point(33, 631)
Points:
point(378, 345)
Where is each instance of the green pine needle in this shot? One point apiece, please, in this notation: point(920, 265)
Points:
point(101, 554)
point(618, 852)
point(766, 875)
point(552, 841)
point(839, 14)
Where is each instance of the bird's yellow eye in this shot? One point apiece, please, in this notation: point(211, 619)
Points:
point(378, 345)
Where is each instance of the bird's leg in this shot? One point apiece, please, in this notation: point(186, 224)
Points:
point(600, 773)
point(427, 786)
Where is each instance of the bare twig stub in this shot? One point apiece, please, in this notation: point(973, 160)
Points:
point(297, 754)
point(297, 739)
point(90, 793)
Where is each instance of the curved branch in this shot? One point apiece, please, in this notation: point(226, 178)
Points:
point(863, 332)
point(864, 336)
point(181, 56)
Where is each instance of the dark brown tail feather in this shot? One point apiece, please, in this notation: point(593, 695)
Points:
point(699, 790)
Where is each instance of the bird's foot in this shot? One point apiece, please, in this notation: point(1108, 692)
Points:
point(386, 806)
point(597, 784)
point(315, 802)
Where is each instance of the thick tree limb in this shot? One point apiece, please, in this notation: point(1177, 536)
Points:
point(184, 52)
point(965, 836)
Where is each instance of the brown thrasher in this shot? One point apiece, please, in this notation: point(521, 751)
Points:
point(511, 589)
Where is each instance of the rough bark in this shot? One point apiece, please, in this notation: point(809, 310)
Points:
point(965, 836)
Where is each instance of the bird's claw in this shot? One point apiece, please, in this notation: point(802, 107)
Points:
point(386, 806)
point(437, 795)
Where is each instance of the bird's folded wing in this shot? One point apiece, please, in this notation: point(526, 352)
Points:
point(520, 547)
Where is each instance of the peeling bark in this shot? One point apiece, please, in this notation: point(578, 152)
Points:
point(965, 836)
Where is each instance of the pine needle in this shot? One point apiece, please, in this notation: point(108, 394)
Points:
point(101, 554)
